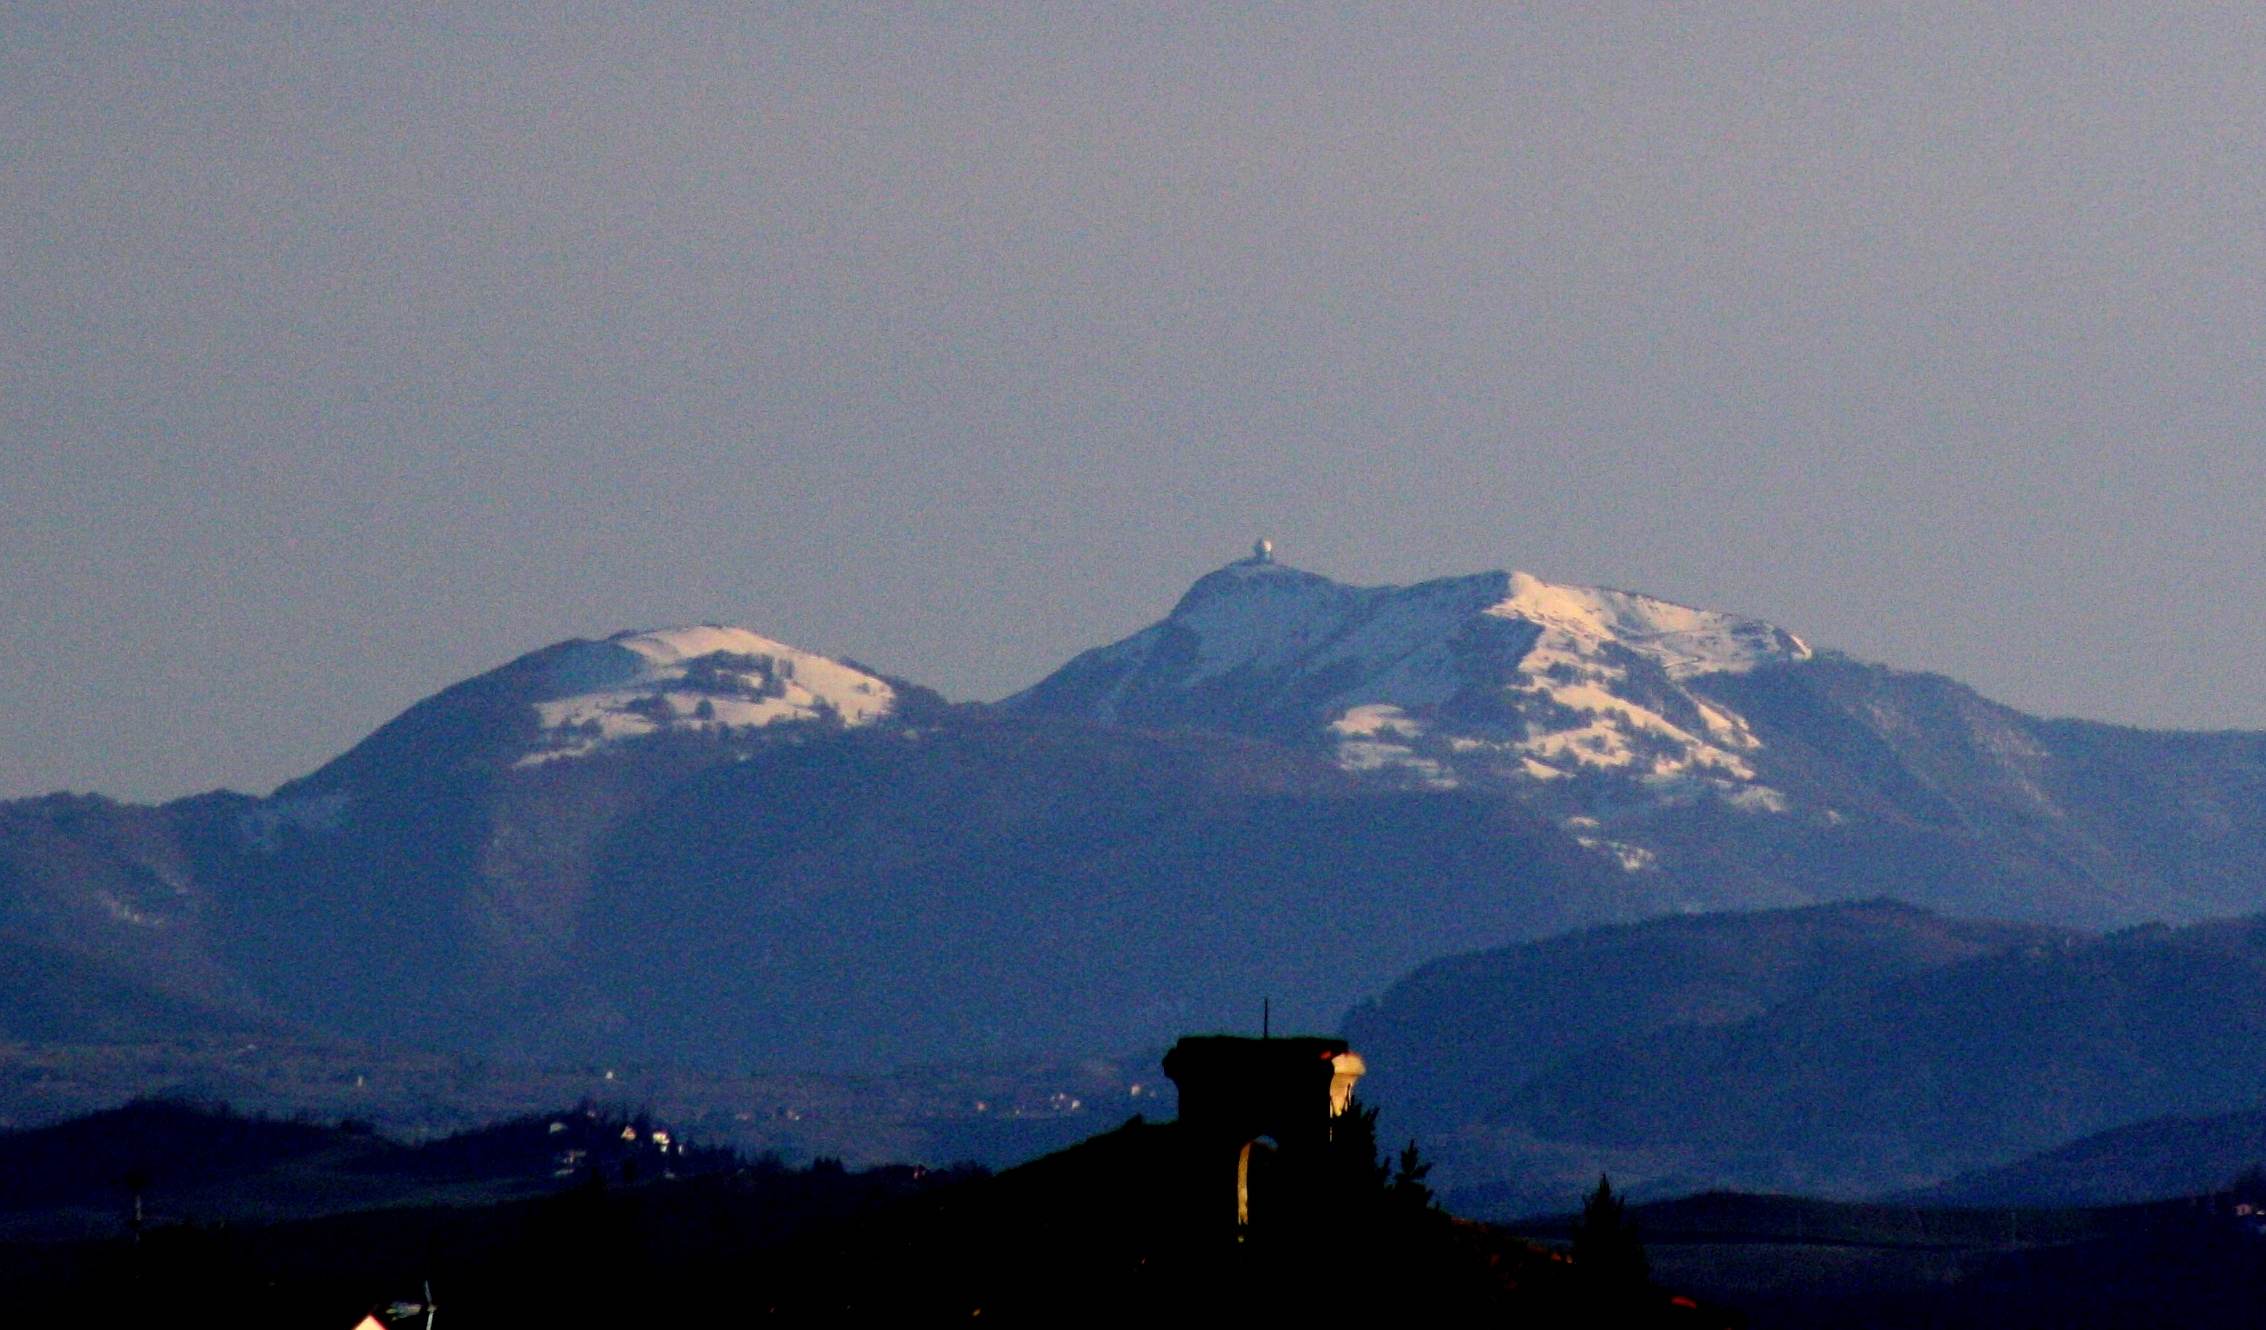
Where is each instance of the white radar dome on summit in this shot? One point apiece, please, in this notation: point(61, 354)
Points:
point(1262, 550)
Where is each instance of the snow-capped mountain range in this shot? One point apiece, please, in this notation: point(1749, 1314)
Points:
point(705, 843)
point(1495, 678)
point(1492, 677)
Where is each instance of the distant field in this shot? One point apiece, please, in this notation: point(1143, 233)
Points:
point(991, 1114)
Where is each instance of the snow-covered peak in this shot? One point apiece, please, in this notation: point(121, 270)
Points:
point(707, 677)
point(1261, 615)
point(1494, 677)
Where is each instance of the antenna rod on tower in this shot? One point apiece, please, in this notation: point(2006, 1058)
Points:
point(1266, 1017)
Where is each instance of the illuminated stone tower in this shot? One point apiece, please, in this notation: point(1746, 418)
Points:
point(1264, 1104)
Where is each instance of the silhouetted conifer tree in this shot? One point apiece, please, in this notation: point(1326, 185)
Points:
point(1408, 1187)
point(1355, 1169)
point(1606, 1250)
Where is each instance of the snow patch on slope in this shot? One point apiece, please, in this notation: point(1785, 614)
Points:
point(1581, 712)
point(1375, 738)
point(1686, 642)
point(707, 677)
point(1631, 858)
point(1568, 703)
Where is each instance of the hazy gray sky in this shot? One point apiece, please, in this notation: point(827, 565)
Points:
point(343, 356)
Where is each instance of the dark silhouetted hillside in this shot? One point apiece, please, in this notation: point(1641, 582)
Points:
point(1845, 1050)
point(2168, 1156)
point(1453, 1041)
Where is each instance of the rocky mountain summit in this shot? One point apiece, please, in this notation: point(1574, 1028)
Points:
point(1493, 678)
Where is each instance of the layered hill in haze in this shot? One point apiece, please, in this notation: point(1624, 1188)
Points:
point(705, 846)
point(1846, 1049)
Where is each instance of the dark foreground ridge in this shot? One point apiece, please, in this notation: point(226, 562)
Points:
point(1791, 1261)
point(1145, 1223)
point(255, 1223)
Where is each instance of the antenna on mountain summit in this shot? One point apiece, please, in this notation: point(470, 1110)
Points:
point(1266, 1017)
point(1262, 550)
